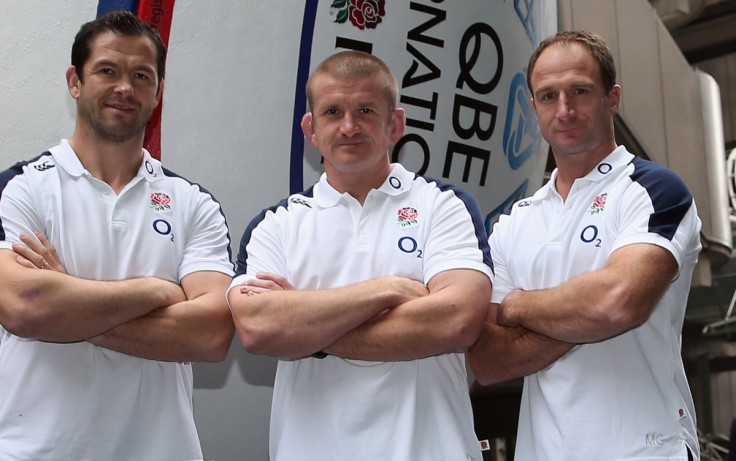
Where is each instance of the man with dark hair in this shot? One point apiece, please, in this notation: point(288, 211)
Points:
point(113, 272)
point(122, 23)
point(592, 277)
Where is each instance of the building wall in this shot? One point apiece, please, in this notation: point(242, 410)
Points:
point(723, 69)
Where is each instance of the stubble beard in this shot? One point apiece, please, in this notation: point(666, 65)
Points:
point(114, 131)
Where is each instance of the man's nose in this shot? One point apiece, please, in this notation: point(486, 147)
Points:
point(565, 106)
point(348, 124)
point(124, 85)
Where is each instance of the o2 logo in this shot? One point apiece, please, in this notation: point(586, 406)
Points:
point(150, 170)
point(590, 235)
point(161, 226)
point(410, 246)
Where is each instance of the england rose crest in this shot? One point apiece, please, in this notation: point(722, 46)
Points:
point(599, 203)
point(160, 201)
point(408, 216)
point(364, 14)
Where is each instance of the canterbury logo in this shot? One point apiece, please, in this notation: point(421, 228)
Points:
point(44, 166)
point(299, 201)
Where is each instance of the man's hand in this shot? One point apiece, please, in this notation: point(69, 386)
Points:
point(38, 253)
point(499, 310)
point(264, 282)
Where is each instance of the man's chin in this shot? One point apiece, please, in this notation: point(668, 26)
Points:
point(121, 135)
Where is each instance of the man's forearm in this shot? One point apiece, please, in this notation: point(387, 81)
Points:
point(191, 331)
point(407, 332)
point(447, 320)
point(599, 304)
point(198, 329)
point(504, 353)
point(297, 323)
point(55, 307)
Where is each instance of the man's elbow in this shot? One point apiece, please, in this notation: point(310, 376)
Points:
point(219, 345)
point(626, 319)
point(18, 327)
point(21, 319)
point(467, 334)
point(487, 374)
point(485, 379)
point(250, 337)
point(484, 374)
point(257, 334)
point(467, 327)
point(250, 341)
point(254, 338)
point(622, 314)
point(263, 338)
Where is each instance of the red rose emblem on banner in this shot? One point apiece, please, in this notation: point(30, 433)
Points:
point(364, 14)
point(408, 214)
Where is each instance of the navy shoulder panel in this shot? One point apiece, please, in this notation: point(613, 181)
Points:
point(474, 210)
point(170, 174)
point(670, 196)
point(7, 175)
point(242, 261)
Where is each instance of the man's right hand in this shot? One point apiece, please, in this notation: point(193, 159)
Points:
point(408, 289)
point(172, 291)
point(265, 282)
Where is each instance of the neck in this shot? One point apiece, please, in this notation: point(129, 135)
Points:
point(113, 163)
point(574, 166)
point(357, 184)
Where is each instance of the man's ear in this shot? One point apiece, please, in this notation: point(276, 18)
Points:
point(614, 99)
point(160, 92)
point(72, 82)
point(398, 125)
point(308, 128)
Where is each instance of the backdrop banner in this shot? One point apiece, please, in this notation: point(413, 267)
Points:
point(462, 75)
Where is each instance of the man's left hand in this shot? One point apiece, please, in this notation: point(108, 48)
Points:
point(38, 253)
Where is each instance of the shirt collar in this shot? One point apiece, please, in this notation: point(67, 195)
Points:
point(67, 159)
point(617, 159)
point(397, 182)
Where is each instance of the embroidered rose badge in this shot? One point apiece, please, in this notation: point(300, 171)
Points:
point(598, 204)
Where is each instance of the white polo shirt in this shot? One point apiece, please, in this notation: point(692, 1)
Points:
point(80, 401)
point(625, 398)
point(338, 409)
